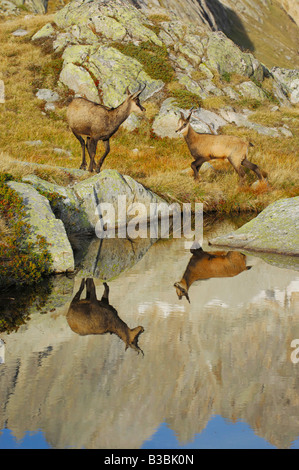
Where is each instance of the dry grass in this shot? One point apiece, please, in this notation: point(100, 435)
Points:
point(161, 164)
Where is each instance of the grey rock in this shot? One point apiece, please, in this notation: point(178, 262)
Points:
point(65, 205)
point(47, 95)
point(45, 32)
point(108, 187)
point(274, 230)
point(20, 32)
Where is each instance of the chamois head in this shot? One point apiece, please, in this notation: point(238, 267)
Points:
point(133, 339)
point(184, 122)
point(181, 291)
point(133, 98)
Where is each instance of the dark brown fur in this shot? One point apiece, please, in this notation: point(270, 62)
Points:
point(91, 316)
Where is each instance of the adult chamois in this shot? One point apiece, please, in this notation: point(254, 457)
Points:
point(91, 316)
point(205, 147)
point(204, 265)
point(96, 122)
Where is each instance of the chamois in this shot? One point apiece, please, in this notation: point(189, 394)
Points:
point(205, 265)
point(91, 316)
point(205, 147)
point(98, 122)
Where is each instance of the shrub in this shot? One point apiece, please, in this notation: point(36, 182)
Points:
point(22, 261)
point(154, 58)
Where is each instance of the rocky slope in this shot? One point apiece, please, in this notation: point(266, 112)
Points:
point(269, 28)
point(183, 61)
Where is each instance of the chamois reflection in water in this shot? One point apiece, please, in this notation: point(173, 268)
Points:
point(91, 316)
point(204, 265)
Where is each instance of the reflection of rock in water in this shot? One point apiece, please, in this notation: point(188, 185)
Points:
point(91, 316)
point(107, 258)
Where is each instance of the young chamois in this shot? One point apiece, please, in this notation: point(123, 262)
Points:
point(91, 316)
point(204, 265)
point(97, 122)
point(205, 147)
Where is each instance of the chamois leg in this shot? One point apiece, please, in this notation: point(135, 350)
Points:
point(90, 290)
point(252, 166)
point(91, 146)
point(78, 294)
point(196, 166)
point(82, 142)
point(105, 297)
point(107, 150)
point(238, 169)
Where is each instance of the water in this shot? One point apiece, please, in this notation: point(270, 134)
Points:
point(217, 372)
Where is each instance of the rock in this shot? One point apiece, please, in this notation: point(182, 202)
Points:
point(2, 92)
point(226, 57)
point(43, 222)
point(47, 95)
point(80, 81)
point(65, 205)
point(290, 80)
point(8, 8)
point(107, 187)
point(166, 122)
point(36, 6)
point(20, 32)
point(251, 90)
point(114, 70)
point(241, 120)
point(274, 230)
point(45, 32)
point(206, 121)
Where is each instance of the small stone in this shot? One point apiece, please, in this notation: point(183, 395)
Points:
point(2, 92)
point(20, 32)
point(33, 143)
point(47, 95)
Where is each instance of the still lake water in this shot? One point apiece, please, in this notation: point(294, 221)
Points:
point(217, 372)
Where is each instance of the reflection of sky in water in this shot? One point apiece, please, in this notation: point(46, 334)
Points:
point(218, 434)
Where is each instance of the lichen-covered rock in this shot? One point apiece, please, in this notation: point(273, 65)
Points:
point(65, 205)
point(251, 90)
point(43, 222)
point(226, 57)
point(274, 230)
point(290, 80)
point(80, 81)
point(114, 70)
point(45, 32)
point(115, 20)
point(107, 187)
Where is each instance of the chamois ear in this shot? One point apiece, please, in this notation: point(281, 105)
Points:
point(137, 93)
point(189, 117)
